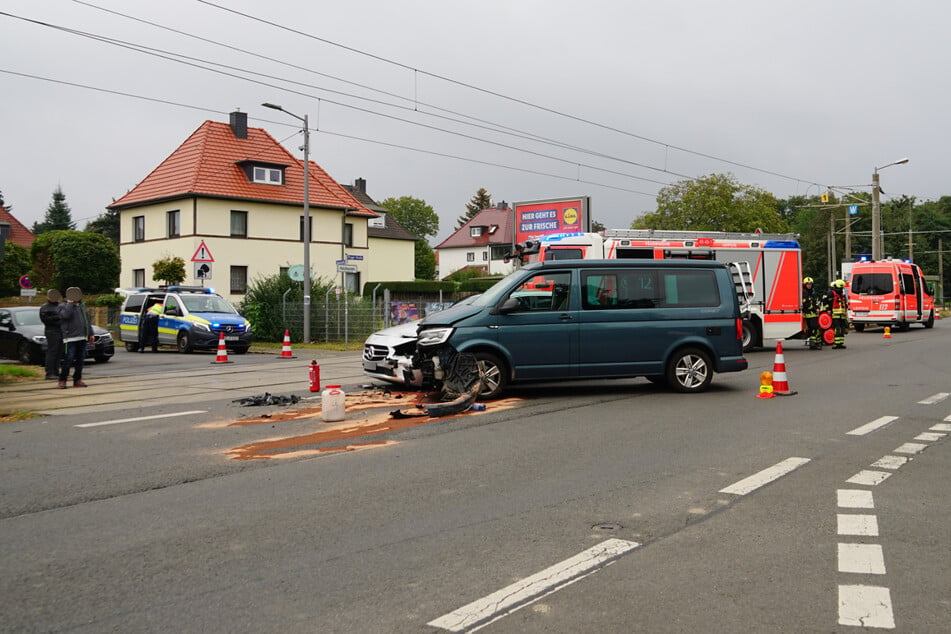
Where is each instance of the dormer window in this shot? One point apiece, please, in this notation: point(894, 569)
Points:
point(267, 175)
point(475, 232)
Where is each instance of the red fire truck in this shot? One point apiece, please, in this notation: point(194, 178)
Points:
point(889, 293)
point(766, 268)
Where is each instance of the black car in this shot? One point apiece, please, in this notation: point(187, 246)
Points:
point(22, 337)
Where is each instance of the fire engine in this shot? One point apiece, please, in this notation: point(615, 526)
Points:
point(889, 293)
point(766, 268)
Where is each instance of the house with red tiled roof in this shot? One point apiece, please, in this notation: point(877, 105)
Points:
point(392, 246)
point(238, 193)
point(19, 234)
point(481, 243)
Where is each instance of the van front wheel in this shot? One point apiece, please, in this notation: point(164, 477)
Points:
point(689, 370)
point(494, 375)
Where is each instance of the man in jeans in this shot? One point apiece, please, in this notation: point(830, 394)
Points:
point(77, 330)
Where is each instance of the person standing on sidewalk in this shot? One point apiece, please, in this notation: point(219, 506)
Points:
point(77, 331)
point(49, 315)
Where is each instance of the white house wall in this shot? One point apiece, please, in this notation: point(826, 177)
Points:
point(272, 243)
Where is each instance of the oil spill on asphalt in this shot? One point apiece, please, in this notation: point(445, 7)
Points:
point(346, 435)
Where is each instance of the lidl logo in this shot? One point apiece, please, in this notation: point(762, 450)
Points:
point(570, 216)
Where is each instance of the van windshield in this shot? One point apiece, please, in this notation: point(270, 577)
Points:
point(207, 304)
point(872, 284)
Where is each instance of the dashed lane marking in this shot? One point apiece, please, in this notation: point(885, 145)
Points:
point(910, 448)
point(941, 426)
point(866, 559)
point(765, 476)
point(890, 462)
point(855, 499)
point(934, 398)
point(531, 589)
point(863, 525)
point(929, 436)
point(868, 428)
point(141, 418)
point(869, 478)
point(866, 606)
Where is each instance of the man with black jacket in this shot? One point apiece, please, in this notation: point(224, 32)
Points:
point(77, 331)
point(49, 315)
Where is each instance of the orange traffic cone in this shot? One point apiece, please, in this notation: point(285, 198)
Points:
point(286, 350)
point(222, 351)
point(888, 333)
point(780, 382)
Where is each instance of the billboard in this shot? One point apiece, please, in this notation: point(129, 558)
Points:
point(537, 218)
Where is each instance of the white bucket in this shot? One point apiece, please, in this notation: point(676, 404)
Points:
point(333, 404)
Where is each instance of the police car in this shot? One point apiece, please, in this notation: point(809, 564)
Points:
point(192, 318)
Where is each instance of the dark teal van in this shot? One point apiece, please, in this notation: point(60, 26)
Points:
point(675, 322)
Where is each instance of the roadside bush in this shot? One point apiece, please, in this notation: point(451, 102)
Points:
point(265, 298)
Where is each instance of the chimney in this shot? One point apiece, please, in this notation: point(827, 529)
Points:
point(502, 205)
point(360, 185)
point(239, 124)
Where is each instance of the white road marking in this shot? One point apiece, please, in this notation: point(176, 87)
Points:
point(934, 398)
point(868, 428)
point(911, 447)
point(866, 606)
point(941, 426)
point(140, 418)
point(871, 478)
point(855, 499)
point(533, 588)
point(765, 476)
point(865, 525)
point(866, 559)
point(929, 437)
point(890, 462)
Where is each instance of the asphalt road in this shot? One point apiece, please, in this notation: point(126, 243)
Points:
point(153, 502)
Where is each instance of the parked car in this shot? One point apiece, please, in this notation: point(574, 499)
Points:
point(22, 337)
point(192, 318)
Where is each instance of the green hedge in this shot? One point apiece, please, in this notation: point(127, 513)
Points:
point(416, 286)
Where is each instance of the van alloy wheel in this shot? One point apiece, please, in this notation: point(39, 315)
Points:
point(689, 370)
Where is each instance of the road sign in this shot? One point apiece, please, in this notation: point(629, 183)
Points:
point(202, 270)
point(27, 292)
point(853, 209)
point(25, 282)
point(355, 257)
point(347, 268)
point(202, 254)
point(341, 262)
point(296, 272)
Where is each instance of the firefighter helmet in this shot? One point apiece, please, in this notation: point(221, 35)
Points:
point(838, 284)
point(806, 280)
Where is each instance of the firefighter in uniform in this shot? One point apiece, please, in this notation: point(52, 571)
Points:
point(810, 312)
point(840, 312)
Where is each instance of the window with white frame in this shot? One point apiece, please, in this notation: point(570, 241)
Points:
point(470, 256)
point(268, 175)
point(138, 277)
point(138, 228)
point(475, 232)
point(173, 224)
point(485, 256)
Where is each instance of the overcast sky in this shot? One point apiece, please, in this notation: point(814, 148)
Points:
point(529, 99)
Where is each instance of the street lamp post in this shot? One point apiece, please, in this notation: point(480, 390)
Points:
point(877, 244)
point(306, 149)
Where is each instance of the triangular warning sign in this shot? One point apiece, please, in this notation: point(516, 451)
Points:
point(202, 254)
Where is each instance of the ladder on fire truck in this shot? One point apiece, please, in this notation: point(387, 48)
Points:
point(742, 275)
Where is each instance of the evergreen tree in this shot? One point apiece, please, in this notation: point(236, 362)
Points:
point(481, 200)
point(58, 215)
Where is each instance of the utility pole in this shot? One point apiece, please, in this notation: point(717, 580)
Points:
point(877, 242)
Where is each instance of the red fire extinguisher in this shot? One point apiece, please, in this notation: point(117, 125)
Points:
point(314, 376)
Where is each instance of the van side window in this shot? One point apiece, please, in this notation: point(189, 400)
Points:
point(134, 303)
point(606, 290)
point(690, 288)
point(548, 291)
point(172, 307)
point(908, 284)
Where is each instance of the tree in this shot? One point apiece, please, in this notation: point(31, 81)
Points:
point(717, 202)
point(425, 261)
point(417, 217)
point(413, 214)
point(170, 270)
point(58, 215)
point(597, 227)
point(481, 200)
point(106, 224)
point(74, 258)
point(15, 263)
